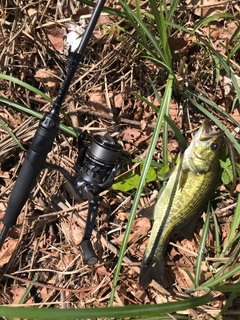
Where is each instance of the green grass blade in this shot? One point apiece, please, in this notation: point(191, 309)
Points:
point(111, 312)
point(215, 120)
point(169, 14)
point(227, 287)
point(217, 234)
point(226, 67)
point(214, 17)
point(150, 37)
point(36, 114)
point(234, 291)
point(139, 14)
point(165, 103)
point(27, 86)
point(165, 127)
point(24, 296)
point(11, 134)
point(202, 247)
point(180, 138)
point(234, 226)
point(214, 105)
point(161, 28)
point(236, 220)
point(109, 10)
point(221, 275)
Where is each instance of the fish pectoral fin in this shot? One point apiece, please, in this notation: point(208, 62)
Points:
point(151, 270)
point(188, 231)
point(147, 212)
point(183, 178)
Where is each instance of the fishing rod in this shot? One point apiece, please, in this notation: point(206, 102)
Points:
point(96, 166)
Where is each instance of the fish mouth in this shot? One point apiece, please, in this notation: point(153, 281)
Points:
point(208, 132)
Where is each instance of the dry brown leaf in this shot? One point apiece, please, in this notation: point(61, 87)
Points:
point(236, 115)
point(101, 270)
point(55, 36)
point(177, 44)
point(131, 134)
point(66, 260)
point(208, 7)
point(140, 228)
point(72, 232)
point(81, 12)
point(118, 100)
point(122, 215)
point(97, 101)
point(47, 77)
point(7, 251)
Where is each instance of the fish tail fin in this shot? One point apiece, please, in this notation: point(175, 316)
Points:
point(151, 269)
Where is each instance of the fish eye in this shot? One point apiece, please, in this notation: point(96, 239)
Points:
point(213, 146)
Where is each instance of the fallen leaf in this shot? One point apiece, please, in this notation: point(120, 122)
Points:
point(140, 228)
point(101, 270)
point(97, 101)
point(177, 44)
point(131, 134)
point(55, 36)
point(236, 115)
point(7, 251)
point(72, 231)
point(208, 7)
point(118, 100)
point(48, 78)
point(121, 215)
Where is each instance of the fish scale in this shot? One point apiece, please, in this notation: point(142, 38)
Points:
point(187, 192)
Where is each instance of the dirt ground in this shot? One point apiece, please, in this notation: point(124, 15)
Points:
point(43, 248)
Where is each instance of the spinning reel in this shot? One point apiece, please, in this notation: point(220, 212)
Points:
point(96, 168)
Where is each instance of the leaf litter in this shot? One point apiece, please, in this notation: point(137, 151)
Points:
point(45, 241)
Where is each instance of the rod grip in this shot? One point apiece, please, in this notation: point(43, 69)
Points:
point(32, 165)
point(24, 184)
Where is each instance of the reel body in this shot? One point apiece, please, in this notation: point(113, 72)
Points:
point(96, 168)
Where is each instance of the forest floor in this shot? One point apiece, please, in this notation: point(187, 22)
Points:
point(42, 249)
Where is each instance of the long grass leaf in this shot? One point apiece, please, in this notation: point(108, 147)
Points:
point(218, 123)
point(169, 14)
point(180, 138)
point(234, 225)
point(217, 234)
point(213, 18)
point(27, 291)
point(221, 275)
point(140, 15)
point(27, 86)
point(36, 114)
point(161, 28)
point(202, 247)
point(165, 103)
point(234, 292)
point(109, 10)
point(214, 105)
point(111, 312)
point(226, 67)
point(11, 134)
point(150, 37)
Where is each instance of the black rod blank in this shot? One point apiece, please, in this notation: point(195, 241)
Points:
point(43, 139)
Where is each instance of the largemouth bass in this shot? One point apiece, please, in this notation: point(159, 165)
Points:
point(187, 192)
